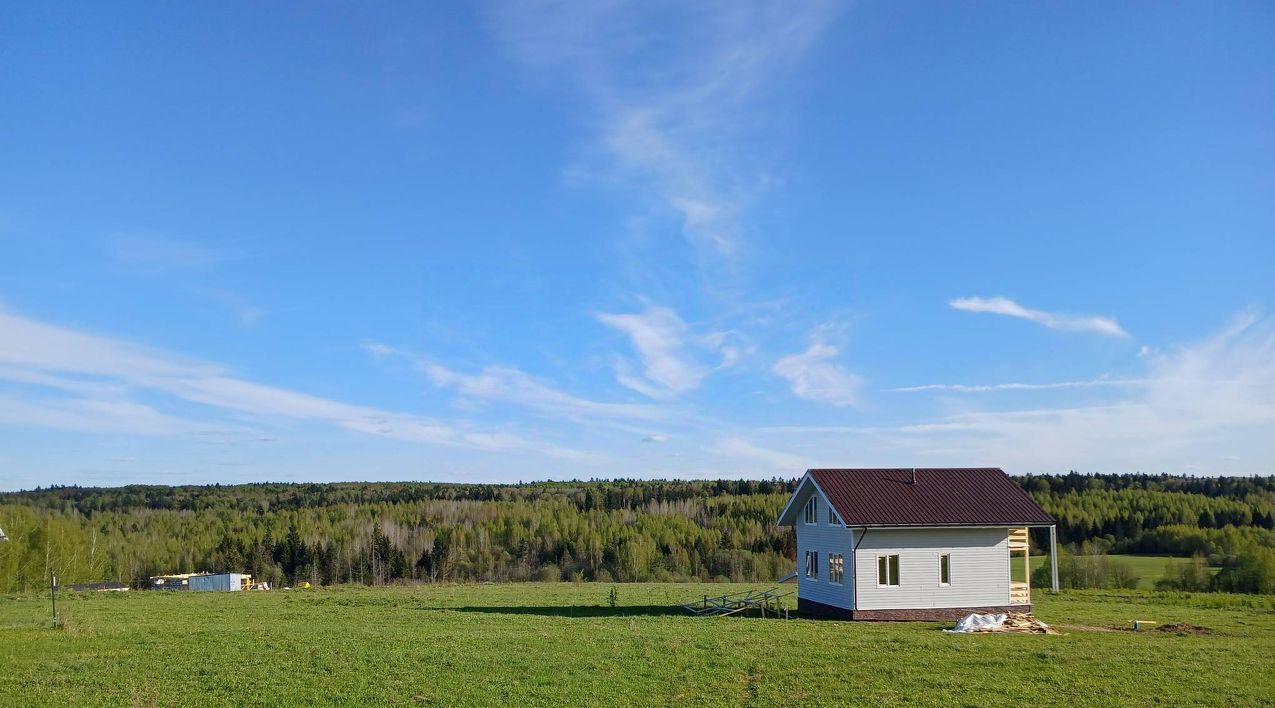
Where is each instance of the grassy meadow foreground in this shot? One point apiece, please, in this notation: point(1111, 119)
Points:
point(562, 643)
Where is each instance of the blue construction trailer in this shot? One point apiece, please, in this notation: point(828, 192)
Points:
point(220, 582)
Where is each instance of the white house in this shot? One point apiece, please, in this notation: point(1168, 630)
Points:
point(923, 544)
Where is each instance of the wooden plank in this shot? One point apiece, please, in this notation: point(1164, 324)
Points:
point(1019, 594)
point(1018, 539)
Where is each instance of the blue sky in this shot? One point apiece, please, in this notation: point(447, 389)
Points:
point(529, 240)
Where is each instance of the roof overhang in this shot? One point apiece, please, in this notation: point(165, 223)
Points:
point(999, 525)
point(787, 517)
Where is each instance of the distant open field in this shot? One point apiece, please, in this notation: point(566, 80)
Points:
point(561, 644)
point(1148, 568)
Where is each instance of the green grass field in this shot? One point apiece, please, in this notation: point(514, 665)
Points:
point(560, 644)
point(1148, 568)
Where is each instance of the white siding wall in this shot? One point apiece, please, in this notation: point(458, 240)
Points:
point(825, 539)
point(979, 568)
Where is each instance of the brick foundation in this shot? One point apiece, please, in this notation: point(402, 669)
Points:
point(819, 609)
point(926, 614)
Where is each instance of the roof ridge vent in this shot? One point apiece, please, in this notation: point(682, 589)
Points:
point(913, 475)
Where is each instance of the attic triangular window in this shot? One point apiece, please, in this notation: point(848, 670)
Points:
point(833, 519)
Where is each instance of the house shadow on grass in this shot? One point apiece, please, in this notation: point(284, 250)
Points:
point(579, 610)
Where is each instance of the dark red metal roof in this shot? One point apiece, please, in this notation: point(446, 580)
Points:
point(889, 497)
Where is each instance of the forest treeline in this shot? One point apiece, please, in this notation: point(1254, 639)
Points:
point(618, 530)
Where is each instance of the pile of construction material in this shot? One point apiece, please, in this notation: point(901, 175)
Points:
point(1025, 622)
point(1021, 622)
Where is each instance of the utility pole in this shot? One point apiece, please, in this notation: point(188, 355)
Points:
point(1053, 558)
point(53, 594)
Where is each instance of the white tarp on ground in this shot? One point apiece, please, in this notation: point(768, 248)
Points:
point(1012, 622)
point(979, 623)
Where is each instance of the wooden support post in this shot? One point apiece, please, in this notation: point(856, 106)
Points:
point(1027, 569)
point(1053, 558)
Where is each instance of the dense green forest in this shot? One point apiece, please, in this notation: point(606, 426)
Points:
point(621, 530)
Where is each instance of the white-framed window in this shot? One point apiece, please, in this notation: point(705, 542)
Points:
point(888, 571)
point(836, 568)
point(812, 565)
point(945, 569)
point(812, 511)
point(832, 516)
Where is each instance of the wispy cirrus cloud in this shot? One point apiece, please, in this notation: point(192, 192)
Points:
point(1207, 405)
point(511, 385)
point(498, 384)
point(507, 384)
point(769, 459)
point(1009, 308)
point(672, 355)
point(815, 375)
point(667, 87)
point(1053, 386)
point(103, 373)
point(88, 415)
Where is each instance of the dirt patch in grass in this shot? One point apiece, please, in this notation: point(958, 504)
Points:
point(1179, 628)
point(1182, 628)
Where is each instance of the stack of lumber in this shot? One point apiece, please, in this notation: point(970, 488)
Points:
point(1026, 623)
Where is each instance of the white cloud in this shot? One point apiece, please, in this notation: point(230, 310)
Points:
point(1207, 405)
point(625, 376)
point(672, 355)
point(84, 387)
point(379, 349)
point(511, 385)
point(986, 388)
point(670, 85)
point(1009, 308)
point(503, 383)
point(1228, 377)
point(772, 460)
point(86, 415)
point(727, 344)
point(815, 375)
point(1198, 405)
point(105, 371)
point(38, 346)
